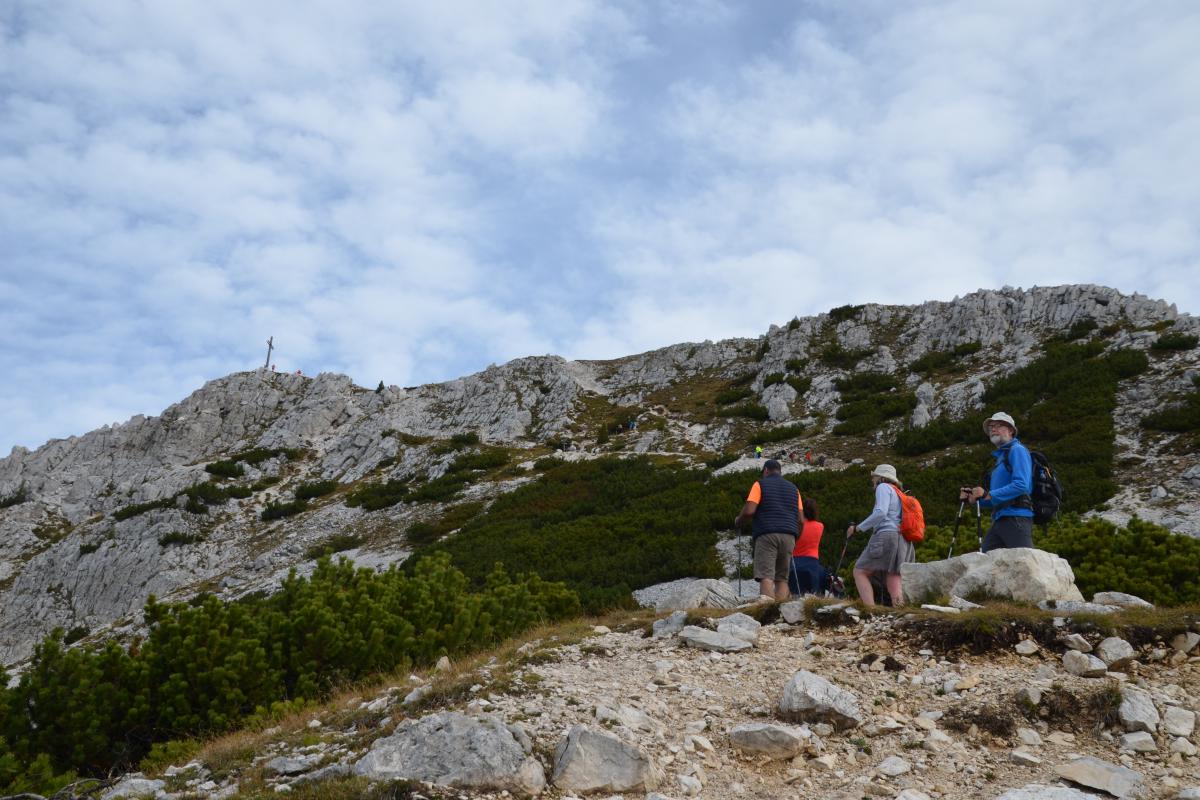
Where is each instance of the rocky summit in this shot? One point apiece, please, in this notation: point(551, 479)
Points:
point(93, 525)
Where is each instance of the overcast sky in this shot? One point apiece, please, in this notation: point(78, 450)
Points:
point(409, 191)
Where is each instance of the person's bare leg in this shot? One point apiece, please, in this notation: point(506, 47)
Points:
point(766, 588)
point(782, 592)
point(894, 587)
point(862, 579)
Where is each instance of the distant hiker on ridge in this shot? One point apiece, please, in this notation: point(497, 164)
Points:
point(775, 505)
point(1009, 487)
point(886, 550)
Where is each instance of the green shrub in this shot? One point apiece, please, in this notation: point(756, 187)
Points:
point(280, 510)
point(966, 349)
point(205, 668)
point(546, 462)
point(604, 527)
point(772, 379)
point(468, 439)
point(762, 351)
point(733, 395)
point(264, 482)
point(440, 489)
point(794, 324)
point(258, 455)
point(748, 410)
point(137, 509)
point(795, 364)
point(1080, 329)
point(484, 460)
point(864, 416)
point(837, 356)
point(314, 489)
point(801, 385)
point(777, 434)
point(179, 537)
point(1174, 341)
point(938, 360)
point(865, 384)
point(338, 543)
point(374, 496)
point(1177, 418)
point(843, 313)
point(716, 462)
point(88, 548)
point(76, 634)
point(225, 469)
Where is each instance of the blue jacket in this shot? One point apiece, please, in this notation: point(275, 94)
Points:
point(1009, 486)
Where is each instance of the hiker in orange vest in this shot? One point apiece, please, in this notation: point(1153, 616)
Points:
point(774, 505)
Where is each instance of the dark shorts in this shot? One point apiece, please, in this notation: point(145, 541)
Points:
point(773, 556)
point(1009, 532)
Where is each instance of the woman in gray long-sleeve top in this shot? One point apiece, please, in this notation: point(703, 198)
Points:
point(887, 549)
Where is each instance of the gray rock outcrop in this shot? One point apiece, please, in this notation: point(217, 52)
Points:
point(1096, 774)
point(810, 698)
point(453, 749)
point(588, 761)
point(1024, 574)
point(773, 741)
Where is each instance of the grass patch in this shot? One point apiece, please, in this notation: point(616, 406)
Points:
point(733, 395)
point(780, 434)
point(751, 410)
point(338, 543)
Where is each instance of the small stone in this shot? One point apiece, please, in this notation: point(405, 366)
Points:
point(1138, 742)
point(1030, 737)
point(689, 785)
point(1186, 642)
point(942, 609)
point(1178, 721)
point(1137, 711)
point(936, 741)
point(601, 629)
point(1182, 746)
point(1024, 758)
point(827, 761)
point(912, 794)
point(1083, 665)
point(1029, 695)
point(1115, 652)
point(1077, 642)
point(1026, 647)
point(893, 766)
point(969, 682)
point(443, 664)
point(313, 724)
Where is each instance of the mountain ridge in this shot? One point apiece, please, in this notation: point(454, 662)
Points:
point(68, 559)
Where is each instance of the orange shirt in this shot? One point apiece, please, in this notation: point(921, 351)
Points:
point(809, 543)
point(755, 497)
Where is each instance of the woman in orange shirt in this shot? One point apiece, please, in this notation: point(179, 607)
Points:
point(808, 575)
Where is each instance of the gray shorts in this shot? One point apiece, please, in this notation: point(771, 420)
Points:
point(773, 556)
point(885, 552)
point(1009, 532)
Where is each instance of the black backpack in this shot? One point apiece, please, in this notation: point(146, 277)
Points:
point(1047, 494)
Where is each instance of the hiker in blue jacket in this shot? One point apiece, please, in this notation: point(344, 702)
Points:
point(1010, 485)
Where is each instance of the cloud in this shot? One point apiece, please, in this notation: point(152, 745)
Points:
point(409, 192)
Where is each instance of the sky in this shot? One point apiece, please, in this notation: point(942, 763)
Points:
point(411, 191)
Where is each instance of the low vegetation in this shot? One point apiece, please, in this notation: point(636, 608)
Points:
point(208, 667)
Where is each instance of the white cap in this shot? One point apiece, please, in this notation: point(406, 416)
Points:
point(886, 471)
point(1000, 416)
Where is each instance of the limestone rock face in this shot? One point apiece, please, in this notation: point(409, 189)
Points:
point(810, 697)
point(1024, 574)
point(588, 761)
point(453, 749)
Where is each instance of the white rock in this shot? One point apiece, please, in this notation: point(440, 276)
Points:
point(773, 741)
point(1036, 791)
point(893, 766)
point(1077, 642)
point(1024, 574)
point(792, 611)
point(1029, 736)
point(1137, 711)
point(1121, 599)
point(740, 625)
point(443, 664)
point(1024, 757)
point(912, 794)
point(1138, 742)
point(1115, 652)
point(810, 697)
point(1096, 774)
point(689, 785)
point(670, 625)
point(704, 639)
point(453, 749)
point(1083, 665)
point(1075, 607)
point(134, 786)
point(1185, 642)
point(589, 761)
point(689, 593)
point(1178, 721)
point(1182, 746)
point(1026, 647)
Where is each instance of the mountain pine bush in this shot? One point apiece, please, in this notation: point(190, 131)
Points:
point(204, 668)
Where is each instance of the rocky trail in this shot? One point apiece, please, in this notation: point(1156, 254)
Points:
point(835, 703)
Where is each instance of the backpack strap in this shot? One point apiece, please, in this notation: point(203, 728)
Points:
point(1025, 500)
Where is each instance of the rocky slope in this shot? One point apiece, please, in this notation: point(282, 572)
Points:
point(69, 559)
point(816, 703)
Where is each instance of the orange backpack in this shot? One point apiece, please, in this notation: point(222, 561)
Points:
point(912, 517)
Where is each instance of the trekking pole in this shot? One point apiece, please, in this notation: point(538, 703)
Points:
point(737, 540)
point(837, 571)
point(957, 522)
point(979, 525)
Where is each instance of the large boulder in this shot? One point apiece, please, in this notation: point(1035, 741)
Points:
point(453, 749)
point(588, 761)
point(688, 593)
point(1024, 574)
point(811, 698)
